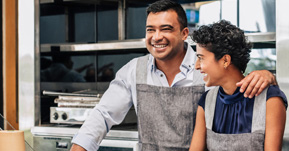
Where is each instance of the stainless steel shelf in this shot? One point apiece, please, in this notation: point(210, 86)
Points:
point(261, 37)
point(76, 1)
point(116, 45)
point(132, 1)
point(268, 37)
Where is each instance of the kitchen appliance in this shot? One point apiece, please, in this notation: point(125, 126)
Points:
point(68, 115)
point(72, 108)
point(59, 139)
point(70, 112)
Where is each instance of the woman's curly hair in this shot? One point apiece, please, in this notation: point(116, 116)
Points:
point(223, 38)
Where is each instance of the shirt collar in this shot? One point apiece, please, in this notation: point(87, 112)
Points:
point(189, 59)
point(230, 99)
point(152, 63)
point(187, 64)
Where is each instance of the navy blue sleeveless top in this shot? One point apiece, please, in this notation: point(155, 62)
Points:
point(233, 113)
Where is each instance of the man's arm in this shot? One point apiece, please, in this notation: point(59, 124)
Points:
point(76, 147)
point(111, 110)
point(256, 82)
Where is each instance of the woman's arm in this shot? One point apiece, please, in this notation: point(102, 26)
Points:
point(199, 137)
point(275, 124)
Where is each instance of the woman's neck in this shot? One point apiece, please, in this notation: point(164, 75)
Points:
point(229, 84)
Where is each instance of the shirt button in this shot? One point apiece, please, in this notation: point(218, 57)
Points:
point(161, 75)
point(189, 65)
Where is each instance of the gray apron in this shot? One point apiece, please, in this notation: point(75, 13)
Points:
point(253, 141)
point(166, 115)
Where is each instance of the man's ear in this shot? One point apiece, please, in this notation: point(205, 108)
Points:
point(185, 33)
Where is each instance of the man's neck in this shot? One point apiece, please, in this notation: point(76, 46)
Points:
point(171, 67)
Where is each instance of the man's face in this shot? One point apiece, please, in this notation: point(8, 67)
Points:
point(164, 38)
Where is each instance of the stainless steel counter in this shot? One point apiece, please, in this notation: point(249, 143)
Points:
point(59, 138)
point(69, 131)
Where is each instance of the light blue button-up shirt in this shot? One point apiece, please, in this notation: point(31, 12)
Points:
point(121, 95)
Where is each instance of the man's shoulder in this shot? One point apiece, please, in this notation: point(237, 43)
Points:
point(134, 61)
point(131, 65)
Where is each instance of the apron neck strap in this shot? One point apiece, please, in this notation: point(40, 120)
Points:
point(259, 112)
point(141, 69)
point(210, 107)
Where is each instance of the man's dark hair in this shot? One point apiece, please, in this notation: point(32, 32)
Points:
point(165, 5)
point(223, 38)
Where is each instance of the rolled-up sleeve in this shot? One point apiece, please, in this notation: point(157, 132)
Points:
point(113, 106)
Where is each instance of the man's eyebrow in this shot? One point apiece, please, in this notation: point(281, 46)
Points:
point(149, 26)
point(170, 26)
point(162, 26)
point(199, 55)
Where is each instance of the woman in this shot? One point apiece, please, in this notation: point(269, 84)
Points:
point(226, 120)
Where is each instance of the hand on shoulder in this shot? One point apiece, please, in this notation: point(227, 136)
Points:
point(254, 83)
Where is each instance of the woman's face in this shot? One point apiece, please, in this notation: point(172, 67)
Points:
point(212, 69)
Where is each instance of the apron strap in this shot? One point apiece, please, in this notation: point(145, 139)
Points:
point(141, 69)
point(259, 112)
point(210, 106)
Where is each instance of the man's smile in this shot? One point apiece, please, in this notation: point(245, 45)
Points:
point(159, 45)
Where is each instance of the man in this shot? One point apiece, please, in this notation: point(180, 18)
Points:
point(164, 88)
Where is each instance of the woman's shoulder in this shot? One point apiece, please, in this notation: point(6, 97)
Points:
point(275, 91)
point(202, 100)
